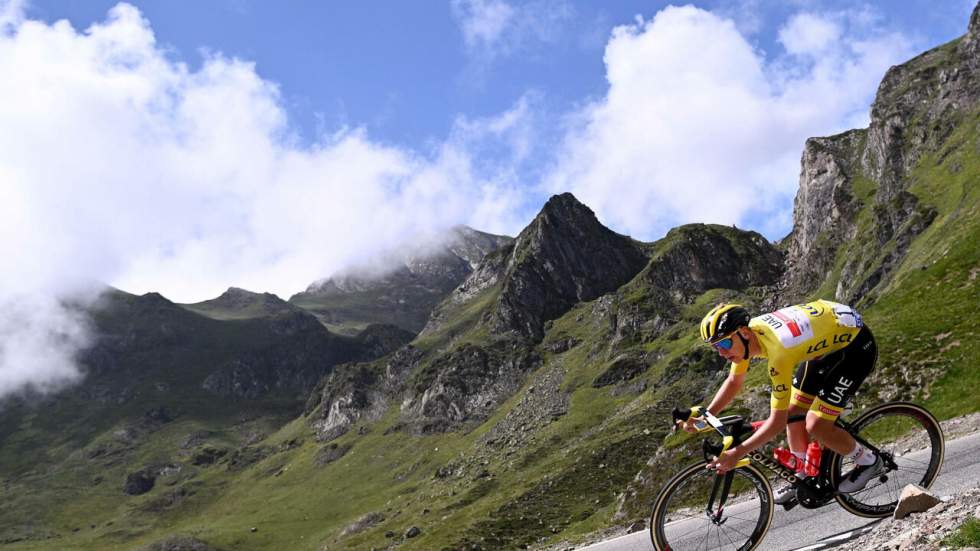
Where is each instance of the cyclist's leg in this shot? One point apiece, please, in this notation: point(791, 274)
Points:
point(840, 375)
point(806, 384)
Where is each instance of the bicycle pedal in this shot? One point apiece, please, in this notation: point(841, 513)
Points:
point(790, 504)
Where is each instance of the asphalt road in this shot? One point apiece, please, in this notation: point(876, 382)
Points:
point(813, 529)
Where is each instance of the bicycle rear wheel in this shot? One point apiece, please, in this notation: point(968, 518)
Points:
point(912, 444)
point(681, 519)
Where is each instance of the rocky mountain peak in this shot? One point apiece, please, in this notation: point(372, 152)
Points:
point(563, 257)
point(565, 206)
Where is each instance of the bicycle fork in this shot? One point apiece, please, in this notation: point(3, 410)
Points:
point(719, 491)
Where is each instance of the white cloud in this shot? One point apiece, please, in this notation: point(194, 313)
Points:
point(809, 34)
point(698, 125)
point(120, 165)
point(11, 13)
point(746, 14)
point(39, 338)
point(482, 21)
point(494, 28)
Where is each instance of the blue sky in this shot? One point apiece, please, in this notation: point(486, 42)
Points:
point(403, 70)
point(267, 144)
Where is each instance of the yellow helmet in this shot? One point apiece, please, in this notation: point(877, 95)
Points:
point(723, 320)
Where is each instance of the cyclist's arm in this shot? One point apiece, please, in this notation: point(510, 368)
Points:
point(730, 388)
point(773, 426)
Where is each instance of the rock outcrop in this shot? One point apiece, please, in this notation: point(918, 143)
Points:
point(694, 258)
point(466, 384)
point(918, 105)
point(825, 209)
point(565, 256)
point(359, 391)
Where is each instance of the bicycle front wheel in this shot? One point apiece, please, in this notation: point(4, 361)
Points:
point(685, 517)
point(911, 442)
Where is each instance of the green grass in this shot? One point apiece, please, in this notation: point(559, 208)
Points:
point(462, 323)
point(967, 535)
point(923, 318)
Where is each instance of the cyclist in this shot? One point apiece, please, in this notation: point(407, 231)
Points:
point(832, 352)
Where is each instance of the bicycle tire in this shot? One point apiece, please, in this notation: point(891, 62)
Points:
point(681, 506)
point(914, 439)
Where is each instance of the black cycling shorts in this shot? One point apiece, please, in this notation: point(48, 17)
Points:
point(825, 385)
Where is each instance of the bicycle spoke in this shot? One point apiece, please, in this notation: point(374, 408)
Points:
point(730, 540)
point(705, 540)
point(681, 536)
point(743, 534)
point(913, 439)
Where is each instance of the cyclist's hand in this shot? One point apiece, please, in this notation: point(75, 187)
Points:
point(689, 425)
point(725, 462)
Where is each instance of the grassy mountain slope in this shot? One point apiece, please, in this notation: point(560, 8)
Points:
point(154, 400)
point(926, 314)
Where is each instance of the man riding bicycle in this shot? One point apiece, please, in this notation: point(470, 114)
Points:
point(832, 352)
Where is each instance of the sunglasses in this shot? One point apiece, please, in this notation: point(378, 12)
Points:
point(724, 344)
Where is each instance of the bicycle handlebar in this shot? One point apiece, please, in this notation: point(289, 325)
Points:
point(682, 415)
point(715, 423)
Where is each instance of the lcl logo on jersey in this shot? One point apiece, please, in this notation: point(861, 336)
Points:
point(811, 309)
point(838, 339)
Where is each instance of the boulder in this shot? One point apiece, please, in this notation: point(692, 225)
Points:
point(915, 499)
point(139, 483)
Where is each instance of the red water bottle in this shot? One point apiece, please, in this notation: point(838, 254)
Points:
point(813, 452)
point(785, 457)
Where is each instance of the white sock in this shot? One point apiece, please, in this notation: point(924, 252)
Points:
point(862, 455)
point(800, 457)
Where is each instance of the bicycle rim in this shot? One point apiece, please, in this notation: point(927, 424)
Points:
point(912, 437)
point(680, 522)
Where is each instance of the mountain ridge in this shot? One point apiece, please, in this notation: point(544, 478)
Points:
point(401, 287)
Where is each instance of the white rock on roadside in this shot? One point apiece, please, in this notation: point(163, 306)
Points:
point(915, 499)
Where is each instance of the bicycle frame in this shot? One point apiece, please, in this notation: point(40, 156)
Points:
point(816, 491)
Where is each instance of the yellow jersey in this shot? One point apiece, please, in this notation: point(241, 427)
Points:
point(796, 334)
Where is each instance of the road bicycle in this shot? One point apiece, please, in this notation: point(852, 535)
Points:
point(699, 509)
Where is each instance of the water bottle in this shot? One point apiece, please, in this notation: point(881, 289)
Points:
point(812, 467)
point(785, 457)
